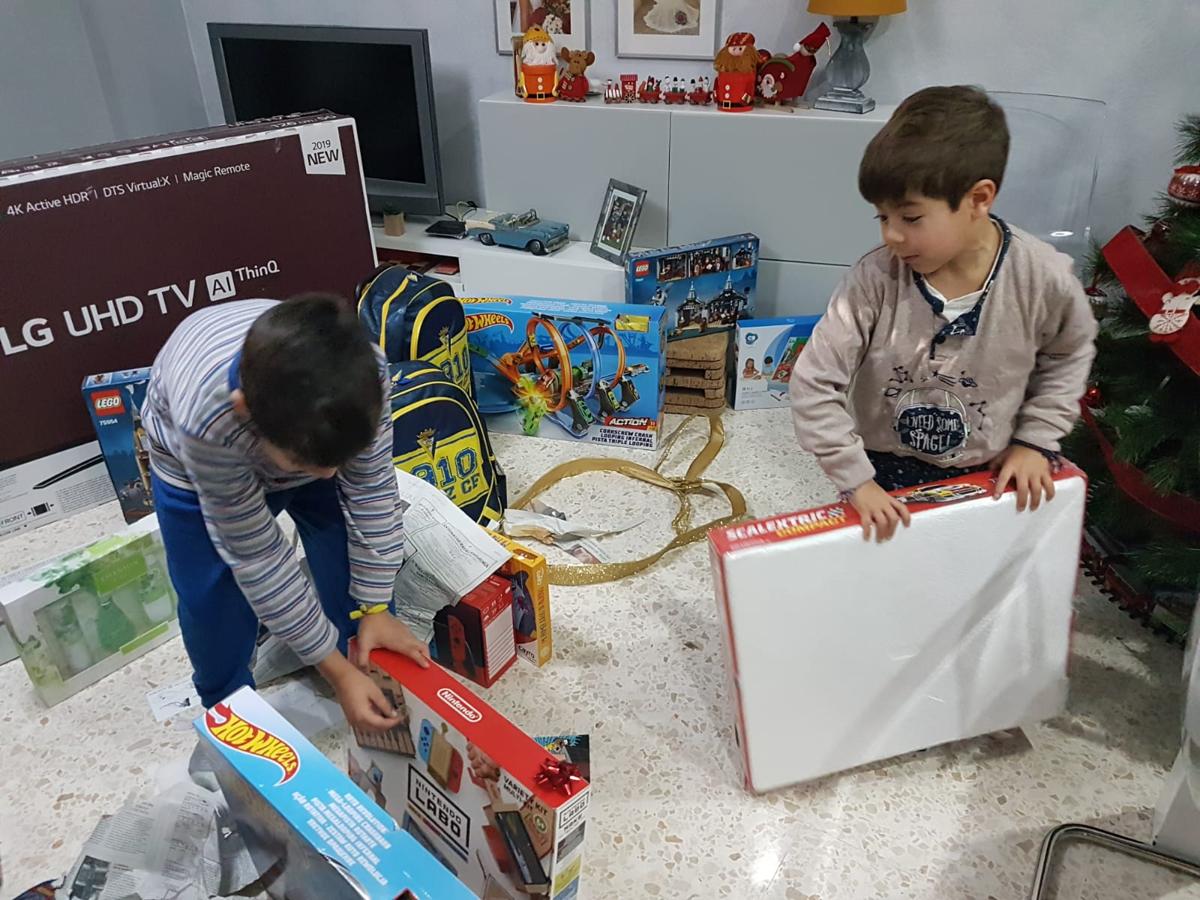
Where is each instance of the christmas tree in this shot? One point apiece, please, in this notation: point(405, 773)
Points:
point(1139, 439)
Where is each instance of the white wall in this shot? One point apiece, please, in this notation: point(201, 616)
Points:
point(145, 66)
point(1138, 57)
point(50, 96)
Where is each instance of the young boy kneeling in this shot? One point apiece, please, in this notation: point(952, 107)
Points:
point(962, 343)
point(255, 407)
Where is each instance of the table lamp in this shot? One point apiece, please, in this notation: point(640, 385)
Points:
point(849, 69)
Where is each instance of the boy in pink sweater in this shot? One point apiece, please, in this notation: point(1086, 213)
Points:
point(961, 344)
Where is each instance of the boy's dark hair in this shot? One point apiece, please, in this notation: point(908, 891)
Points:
point(311, 380)
point(938, 143)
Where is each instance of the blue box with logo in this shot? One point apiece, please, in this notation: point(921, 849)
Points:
point(705, 288)
point(114, 401)
point(309, 829)
point(765, 350)
point(569, 369)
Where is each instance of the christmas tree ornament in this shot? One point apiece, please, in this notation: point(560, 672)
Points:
point(1184, 186)
point(1098, 300)
point(1093, 397)
point(1176, 309)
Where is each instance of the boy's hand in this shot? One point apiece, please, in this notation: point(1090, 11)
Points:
point(361, 699)
point(384, 631)
point(1029, 472)
point(880, 510)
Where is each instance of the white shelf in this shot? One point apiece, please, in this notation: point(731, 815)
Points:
point(570, 273)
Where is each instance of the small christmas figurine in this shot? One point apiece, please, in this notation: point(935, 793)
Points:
point(700, 94)
point(612, 91)
point(539, 67)
point(649, 91)
point(783, 78)
point(574, 84)
point(629, 88)
point(737, 67)
point(675, 94)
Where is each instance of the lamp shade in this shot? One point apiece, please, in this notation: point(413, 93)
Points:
point(838, 8)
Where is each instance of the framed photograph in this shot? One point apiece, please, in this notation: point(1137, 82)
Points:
point(677, 29)
point(618, 220)
point(566, 20)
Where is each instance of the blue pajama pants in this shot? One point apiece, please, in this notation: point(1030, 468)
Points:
point(219, 627)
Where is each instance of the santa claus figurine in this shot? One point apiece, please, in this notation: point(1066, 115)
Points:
point(783, 78)
point(737, 66)
point(539, 67)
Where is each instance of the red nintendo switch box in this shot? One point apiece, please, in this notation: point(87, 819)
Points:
point(474, 637)
point(499, 811)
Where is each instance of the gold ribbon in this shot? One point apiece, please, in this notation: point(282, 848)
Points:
point(683, 487)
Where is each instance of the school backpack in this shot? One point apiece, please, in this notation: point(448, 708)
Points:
point(415, 317)
point(439, 436)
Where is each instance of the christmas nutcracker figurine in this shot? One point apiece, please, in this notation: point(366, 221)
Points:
point(539, 67)
point(737, 67)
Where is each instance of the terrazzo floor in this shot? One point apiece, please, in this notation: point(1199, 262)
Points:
point(638, 666)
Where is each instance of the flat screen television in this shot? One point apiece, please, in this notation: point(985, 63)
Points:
point(380, 76)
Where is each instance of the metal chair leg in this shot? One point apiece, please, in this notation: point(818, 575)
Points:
point(1110, 841)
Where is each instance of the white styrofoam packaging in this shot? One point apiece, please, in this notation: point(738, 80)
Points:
point(765, 350)
point(843, 652)
point(82, 616)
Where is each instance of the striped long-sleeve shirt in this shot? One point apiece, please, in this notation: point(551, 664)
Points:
point(198, 443)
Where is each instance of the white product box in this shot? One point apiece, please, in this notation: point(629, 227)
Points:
point(765, 350)
point(84, 615)
point(843, 652)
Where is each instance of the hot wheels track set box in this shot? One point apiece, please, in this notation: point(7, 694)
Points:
point(502, 813)
point(567, 369)
point(313, 834)
point(765, 350)
point(114, 401)
point(705, 288)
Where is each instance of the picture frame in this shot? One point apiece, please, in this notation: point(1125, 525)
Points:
point(515, 17)
point(619, 214)
point(674, 29)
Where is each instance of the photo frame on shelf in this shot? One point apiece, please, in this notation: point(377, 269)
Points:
point(618, 220)
point(566, 20)
point(675, 29)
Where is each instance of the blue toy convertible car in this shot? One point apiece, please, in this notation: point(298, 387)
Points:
point(522, 231)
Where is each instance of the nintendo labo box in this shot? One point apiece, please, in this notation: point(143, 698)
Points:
point(502, 813)
point(105, 250)
point(959, 626)
point(311, 833)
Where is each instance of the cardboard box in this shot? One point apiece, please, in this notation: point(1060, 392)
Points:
point(535, 361)
point(314, 834)
point(765, 350)
point(507, 817)
point(90, 612)
point(530, 579)
point(114, 401)
point(105, 250)
point(843, 652)
point(474, 637)
point(705, 288)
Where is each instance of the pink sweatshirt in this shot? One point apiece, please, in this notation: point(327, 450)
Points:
point(884, 371)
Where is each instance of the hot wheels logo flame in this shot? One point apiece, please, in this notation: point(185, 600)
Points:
point(479, 321)
point(233, 731)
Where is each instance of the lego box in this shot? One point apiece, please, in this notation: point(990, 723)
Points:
point(530, 581)
point(959, 626)
point(705, 288)
point(502, 813)
point(567, 369)
point(313, 834)
point(105, 250)
point(114, 401)
point(92, 611)
point(765, 350)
